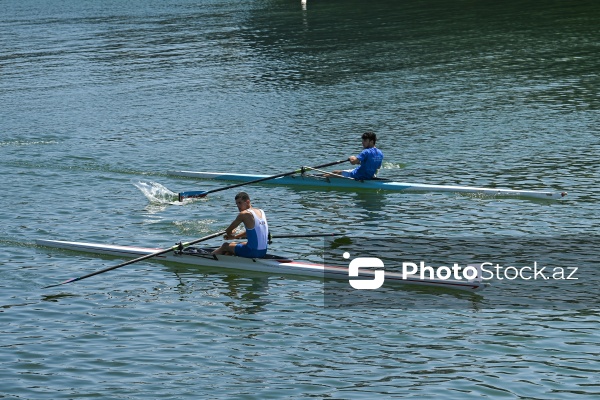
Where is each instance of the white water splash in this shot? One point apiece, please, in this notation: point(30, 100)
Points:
point(156, 193)
point(390, 165)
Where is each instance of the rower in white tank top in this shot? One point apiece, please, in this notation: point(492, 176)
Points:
point(257, 231)
point(256, 246)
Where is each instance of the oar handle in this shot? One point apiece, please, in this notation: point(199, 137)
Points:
point(193, 194)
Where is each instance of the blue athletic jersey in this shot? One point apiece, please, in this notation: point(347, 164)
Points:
point(370, 162)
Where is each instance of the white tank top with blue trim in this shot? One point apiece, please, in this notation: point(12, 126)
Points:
point(258, 236)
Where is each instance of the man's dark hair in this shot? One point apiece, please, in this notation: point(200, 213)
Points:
point(370, 136)
point(242, 195)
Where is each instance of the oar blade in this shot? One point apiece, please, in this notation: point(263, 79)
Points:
point(198, 194)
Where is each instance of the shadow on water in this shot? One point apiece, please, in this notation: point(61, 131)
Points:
point(249, 293)
point(56, 297)
point(372, 202)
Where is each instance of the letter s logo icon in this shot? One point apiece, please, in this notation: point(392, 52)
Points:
point(379, 274)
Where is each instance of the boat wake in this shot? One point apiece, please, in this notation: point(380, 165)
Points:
point(156, 193)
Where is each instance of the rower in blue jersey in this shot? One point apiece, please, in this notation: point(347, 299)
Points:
point(257, 231)
point(369, 160)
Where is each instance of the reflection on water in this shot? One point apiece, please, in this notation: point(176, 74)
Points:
point(248, 297)
point(373, 204)
point(248, 292)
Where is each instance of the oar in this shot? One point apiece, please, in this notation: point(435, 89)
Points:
point(158, 253)
point(199, 193)
point(302, 236)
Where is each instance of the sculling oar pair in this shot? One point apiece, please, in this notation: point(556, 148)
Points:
point(199, 193)
point(158, 253)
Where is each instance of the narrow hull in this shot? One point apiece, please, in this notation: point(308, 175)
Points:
point(376, 184)
point(272, 264)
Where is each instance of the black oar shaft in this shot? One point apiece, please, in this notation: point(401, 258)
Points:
point(204, 194)
point(271, 237)
point(158, 253)
point(305, 236)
